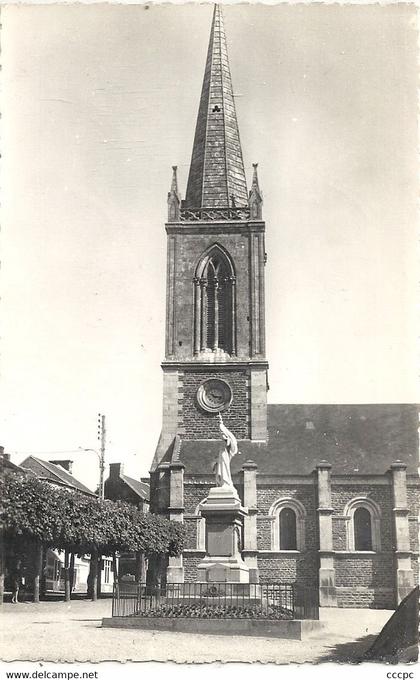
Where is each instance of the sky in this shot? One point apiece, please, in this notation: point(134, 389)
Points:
point(99, 102)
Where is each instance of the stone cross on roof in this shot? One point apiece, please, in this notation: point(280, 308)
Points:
point(217, 176)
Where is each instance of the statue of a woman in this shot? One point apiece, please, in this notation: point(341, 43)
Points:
point(222, 465)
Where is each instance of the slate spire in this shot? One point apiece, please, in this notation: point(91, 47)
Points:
point(217, 176)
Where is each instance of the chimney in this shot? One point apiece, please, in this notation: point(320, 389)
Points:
point(67, 465)
point(5, 456)
point(115, 470)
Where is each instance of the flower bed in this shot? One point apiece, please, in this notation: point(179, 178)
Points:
point(205, 611)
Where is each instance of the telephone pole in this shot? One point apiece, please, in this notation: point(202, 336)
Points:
point(101, 438)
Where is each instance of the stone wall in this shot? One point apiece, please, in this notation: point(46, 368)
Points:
point(343, 493)
point(190, 566)
point(196, 423)
point(289, 568)
point(283, 566)
point(193, 495)
point(191, 533)
point(363, 579)
point(413, 502)
point(266, 496)
point(183, 256)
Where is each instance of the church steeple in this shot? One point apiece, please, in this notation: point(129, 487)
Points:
point(215, 310)
point(217, 176)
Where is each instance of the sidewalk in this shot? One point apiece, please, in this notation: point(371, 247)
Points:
point(59, 631)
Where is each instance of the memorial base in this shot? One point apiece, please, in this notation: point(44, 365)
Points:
point(224, 515)
point(222, 570)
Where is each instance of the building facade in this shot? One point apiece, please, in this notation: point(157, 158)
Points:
point(59, 473)
point(121, 487)
point(331, 491)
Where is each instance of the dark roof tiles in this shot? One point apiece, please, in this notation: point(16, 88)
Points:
point(217, 176)
point(355, 439)
point(54, 473)
point(140, 488)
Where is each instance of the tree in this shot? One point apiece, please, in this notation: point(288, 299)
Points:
point(33, 510)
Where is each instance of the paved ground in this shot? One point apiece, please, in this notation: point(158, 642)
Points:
point(56, 631)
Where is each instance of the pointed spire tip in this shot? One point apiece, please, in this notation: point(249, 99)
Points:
point(217, 171)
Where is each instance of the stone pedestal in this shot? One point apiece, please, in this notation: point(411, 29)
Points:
point(224, 515)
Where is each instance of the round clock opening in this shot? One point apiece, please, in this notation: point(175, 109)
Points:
point(214, 395)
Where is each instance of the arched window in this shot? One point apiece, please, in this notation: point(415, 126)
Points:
point(214, 303)
point(287, 521)
point(362, 529)
point(363, 525)
point(287, 525)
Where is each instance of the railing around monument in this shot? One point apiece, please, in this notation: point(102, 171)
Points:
point(274, 601)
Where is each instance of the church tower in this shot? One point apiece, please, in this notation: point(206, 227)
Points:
point(215, 322)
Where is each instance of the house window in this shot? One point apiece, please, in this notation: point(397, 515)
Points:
point(107, 570)
point(287, 525)
point(362, 529)
point(363, 525)
point(214, 303)
point(57, 570)
point(287, 521)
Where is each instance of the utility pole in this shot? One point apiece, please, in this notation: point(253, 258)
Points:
point(101, 438)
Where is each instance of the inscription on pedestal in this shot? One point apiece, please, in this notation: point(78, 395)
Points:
point(219, 540)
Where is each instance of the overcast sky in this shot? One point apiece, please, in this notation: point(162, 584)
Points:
point(99, 102)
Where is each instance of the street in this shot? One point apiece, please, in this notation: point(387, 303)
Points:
point(58, 631)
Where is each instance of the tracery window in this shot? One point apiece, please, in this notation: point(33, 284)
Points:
point(214, 292)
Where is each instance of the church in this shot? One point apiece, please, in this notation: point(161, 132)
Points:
point(330, 491)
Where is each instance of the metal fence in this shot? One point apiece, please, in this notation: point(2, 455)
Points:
point(216, 600)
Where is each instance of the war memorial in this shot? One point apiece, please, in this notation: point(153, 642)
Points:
point(286, 507)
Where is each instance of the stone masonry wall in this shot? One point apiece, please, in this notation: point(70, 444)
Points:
point(187, 251)
point(283, 566)
point(363, 579)
point(190, 567)
point(196, 423)
point(191, 533)
point(413, 502)
point(193, 495)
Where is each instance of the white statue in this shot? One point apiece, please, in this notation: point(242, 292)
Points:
point(222, 465)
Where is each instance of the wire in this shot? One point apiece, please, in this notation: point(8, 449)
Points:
point(49, 453)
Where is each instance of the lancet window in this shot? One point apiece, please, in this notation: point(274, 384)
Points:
point(214, 292)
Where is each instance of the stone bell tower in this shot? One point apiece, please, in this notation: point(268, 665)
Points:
point(215, 322)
